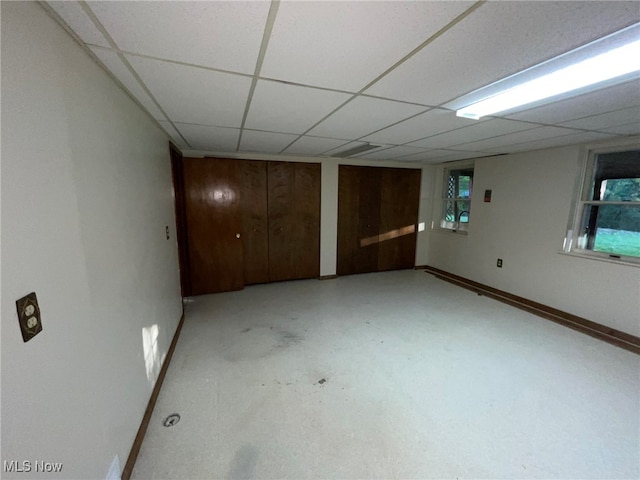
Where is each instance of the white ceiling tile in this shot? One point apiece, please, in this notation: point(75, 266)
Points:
point(111, 60)
point(215, 139)
point(424, 125)
point(490, 43)
point(345, 45)
point(498, 143)
point(572, 139)
point(459, 155)
point(225, 35)
point(443, 155)
point(314, 145)
point(362, 116)
point(628, 129)
point(392, 153)
point(600, 101)
point(604, 120)
point(253, 141)
point(173, 133)
point(195, 95)
point(479, 131)
point(79, 22)
point(289, 108)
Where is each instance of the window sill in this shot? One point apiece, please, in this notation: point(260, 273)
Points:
point(603, 258)
point(450, 231)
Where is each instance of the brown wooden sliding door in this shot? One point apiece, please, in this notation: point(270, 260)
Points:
point(377, 216)
point(177, 174)
point(255, 220)
point(307, 204)
point(294, 220)
point(250, 222)
point(214, 225)
point(358, 219)
point(399, 200)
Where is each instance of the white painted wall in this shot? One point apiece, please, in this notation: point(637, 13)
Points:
point(525, 225)
point(329, 217)
point(86, 195)
point(424, 215)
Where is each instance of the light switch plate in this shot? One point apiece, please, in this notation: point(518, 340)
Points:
point(29, 316)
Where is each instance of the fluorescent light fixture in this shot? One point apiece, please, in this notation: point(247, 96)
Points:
point(358, 149)
point(606, 66)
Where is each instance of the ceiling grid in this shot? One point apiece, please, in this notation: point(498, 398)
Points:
point(320, 77)
point(124, 60)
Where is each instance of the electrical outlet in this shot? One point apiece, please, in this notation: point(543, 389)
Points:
point(166, 230)
point(499, 263)
point(29, 316)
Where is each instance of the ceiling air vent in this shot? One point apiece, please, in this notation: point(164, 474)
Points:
point(352, 151)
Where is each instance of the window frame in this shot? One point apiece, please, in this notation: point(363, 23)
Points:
point(582, 201)
point(439, 221)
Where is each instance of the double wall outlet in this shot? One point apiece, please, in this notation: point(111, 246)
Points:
point(29, 316)
point(499, 263)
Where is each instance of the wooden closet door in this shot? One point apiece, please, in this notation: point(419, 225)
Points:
point(177, 174)
point(369, 220)
point(280, 177)
point(294, 220)
point(348, 219)
point(255, 222)
point(358, 219)
point(307, 220)
point(399, 201)
point(214, 224)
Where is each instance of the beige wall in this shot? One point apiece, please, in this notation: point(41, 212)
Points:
point(86, 195)
point(525, 224)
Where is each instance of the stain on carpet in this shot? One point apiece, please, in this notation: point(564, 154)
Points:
point(243, 465)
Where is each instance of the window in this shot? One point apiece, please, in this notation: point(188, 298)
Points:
point(456, 201)
point(608, 216)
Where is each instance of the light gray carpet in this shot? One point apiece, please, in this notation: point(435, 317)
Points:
point(389, 375)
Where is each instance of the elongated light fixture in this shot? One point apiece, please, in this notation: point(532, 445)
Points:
point(354, 150)
point(606, 66)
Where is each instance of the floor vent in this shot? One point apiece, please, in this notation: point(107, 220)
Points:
point(171, 420)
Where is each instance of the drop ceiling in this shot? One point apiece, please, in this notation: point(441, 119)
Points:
point(317, 78)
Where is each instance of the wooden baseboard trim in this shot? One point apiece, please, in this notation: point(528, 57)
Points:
point(421, 267)
point(327, 277)
point(611, 335)
point(137, 443)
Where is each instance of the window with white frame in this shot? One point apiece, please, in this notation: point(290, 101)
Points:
point(607, 223)
point(456, 199)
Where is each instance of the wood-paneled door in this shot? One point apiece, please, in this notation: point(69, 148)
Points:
point(294, 220)
point(358, 219)
point(214, 224)
point(255, 221)
point(377, 217)
point(399, 201)
point(177, 174)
